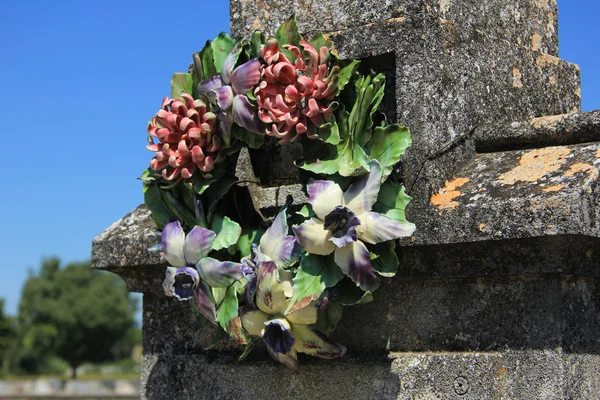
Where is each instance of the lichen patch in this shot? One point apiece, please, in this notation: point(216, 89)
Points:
point(534, 164)
point(536, 42)
point(547, 122)
point(517, 78)
point(585, 168)
point(444, 199)
point(554, 188)
point(544, 60)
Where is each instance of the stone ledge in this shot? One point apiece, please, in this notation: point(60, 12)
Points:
point(563, 129)
point(511, 374)
point(549, 191)
point(524, 23)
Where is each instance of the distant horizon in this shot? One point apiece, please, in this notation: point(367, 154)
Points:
point(82, 81)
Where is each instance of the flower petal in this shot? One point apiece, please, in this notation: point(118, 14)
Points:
point(185, 282)
point(224, 97)
point(198, 244)
point(324, 196)
point(217, 273)
point(204, 301)
point(290, 360)
point(169, 281)
point(375, 228)
point(271, 239)
point(277, 245)
point(206, 87)
point(246, 76)
point(225, 122)
point(313, 237)
point(361, 195)
point(354, 261)
point(244, 114)
point(316, 344)
point(304, 316)
point(270, 291)
point(172, 241)
point(253, 321)
point(229, 63)
point(277, 335)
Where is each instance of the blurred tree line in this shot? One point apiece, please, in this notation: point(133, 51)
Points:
point(70, 315)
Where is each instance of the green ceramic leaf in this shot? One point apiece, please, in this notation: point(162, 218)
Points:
point(319, 41)
point(178, 209)
point(227, 315)
point(248, 237)
point(254, 140)
point(207, 62)
point(228, 231)
point(221, 47)
point(215, 192)
point(346, 73)
point(388, 145)
point(181, 82)
point(153, 200)
point(329, 133)
point(392, 201)
point(350, 294)
point(328, 319)
point(288, 34)
point(384, 259)
point(314, 275)
point(256, 41)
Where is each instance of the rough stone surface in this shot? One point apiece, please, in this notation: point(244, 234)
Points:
point(497, 294)
point(524, 23)
point(513, 374)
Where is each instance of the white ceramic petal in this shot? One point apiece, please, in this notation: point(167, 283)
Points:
point(304, 316)
point(314, 238)
point(172, 241)
point(198, 244)
point(270, 291)
point(315, 344)
point(362, 195)
point(375, 228)
point(254, 321)
point(354, 260)
point(324, 196)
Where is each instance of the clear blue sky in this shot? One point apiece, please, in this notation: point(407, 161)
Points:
point(79, 80)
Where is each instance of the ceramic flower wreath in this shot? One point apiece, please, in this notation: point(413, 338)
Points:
point(286, 282)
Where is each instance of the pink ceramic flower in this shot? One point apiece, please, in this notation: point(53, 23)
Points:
point(295, 96)
point(184, 130)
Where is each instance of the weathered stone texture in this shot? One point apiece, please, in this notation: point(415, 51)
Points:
point(497, 292)
point(530, 24)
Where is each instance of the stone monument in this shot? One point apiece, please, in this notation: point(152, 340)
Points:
point(497, 294)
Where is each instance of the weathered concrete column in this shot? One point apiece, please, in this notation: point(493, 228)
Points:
point(497, 295)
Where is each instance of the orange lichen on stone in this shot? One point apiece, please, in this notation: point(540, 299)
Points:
point(547, 122)
point(536, 42)
point(586, 168)
point(396, 20)
point(598, 153)
point(554, 188)
point(444, 200)
point(535, 164)
point(544, 60)
point(516, 78)
point(257, 24)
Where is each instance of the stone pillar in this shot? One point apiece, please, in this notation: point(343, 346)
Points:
point(497, 295)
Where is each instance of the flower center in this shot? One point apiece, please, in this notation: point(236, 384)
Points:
point(278, 336)
point(337, 220)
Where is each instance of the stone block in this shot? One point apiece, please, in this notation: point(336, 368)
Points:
point(523, 23)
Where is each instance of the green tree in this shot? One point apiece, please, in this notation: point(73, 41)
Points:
point(76, 313)
point(8, 339)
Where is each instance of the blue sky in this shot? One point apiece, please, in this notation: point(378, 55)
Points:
point(80, 79)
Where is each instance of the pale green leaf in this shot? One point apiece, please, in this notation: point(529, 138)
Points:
point(181, 82)
point(314, 275)
point(388, 145)
point(392, 201)
point(221, 47)
point(228, 232)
